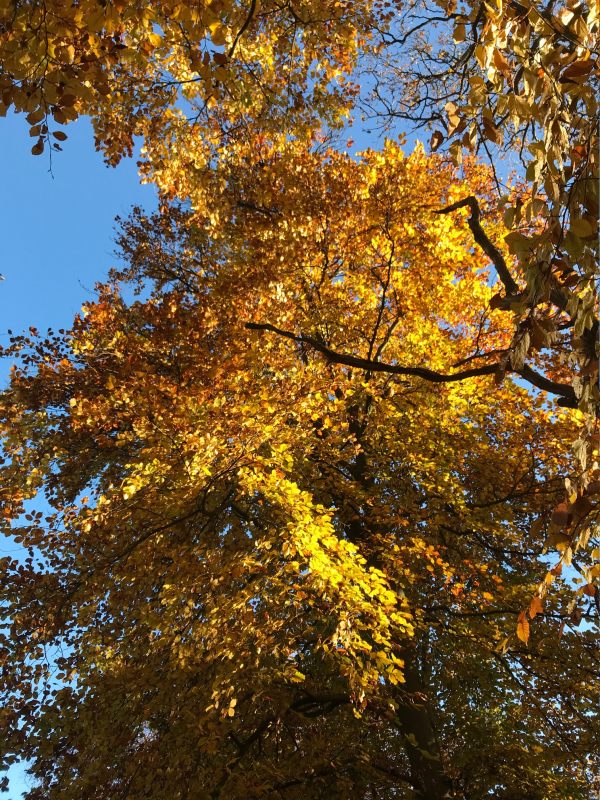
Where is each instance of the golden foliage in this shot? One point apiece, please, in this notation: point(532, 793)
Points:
point(268, 567)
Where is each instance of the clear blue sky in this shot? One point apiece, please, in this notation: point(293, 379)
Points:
point(57, 235)
point(57, 229)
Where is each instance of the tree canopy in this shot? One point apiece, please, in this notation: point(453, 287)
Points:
point(509, 80)
point(281, 561)
point(321, 458)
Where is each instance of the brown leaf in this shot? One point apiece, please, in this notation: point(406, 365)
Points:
point(582, 507)
point(436, 140)
point(35, 116)
point(578, 69)
point(491, 132)
point(561, 516)
point(460, 33)
point(539, 336)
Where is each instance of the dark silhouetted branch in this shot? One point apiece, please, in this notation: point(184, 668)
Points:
point(482, 239)
point(563, 391)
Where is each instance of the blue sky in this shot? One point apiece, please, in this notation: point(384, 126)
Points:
point(57, 235)
point(57, 229)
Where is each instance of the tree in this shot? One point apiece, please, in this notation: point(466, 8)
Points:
point(502, 78)
point(283, 558)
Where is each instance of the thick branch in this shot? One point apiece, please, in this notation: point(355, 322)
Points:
point(415, 721)
point(482, 239)
point(546, 385)
point(319, 705)
point(374, 366)
point(557, 296)
point(563, 391)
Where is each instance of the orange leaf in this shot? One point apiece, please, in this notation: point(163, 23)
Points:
point(536, 606)
point(500, 62)
point(577, 70)
point(523, 627)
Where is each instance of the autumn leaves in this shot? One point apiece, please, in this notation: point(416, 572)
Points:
point(298, 533)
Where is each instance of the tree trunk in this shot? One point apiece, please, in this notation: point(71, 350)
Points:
point(428, 777)
point(414, 719)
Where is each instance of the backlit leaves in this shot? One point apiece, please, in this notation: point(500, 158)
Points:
point(265, 565)
point(129, 65)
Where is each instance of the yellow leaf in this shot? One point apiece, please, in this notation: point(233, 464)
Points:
point(218, 34)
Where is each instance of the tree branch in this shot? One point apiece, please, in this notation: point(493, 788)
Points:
point(319, 705)
point(557, 295)
point(563, 391)
point(243, 29)
point(546, 385)
point(482, 239)
point(373, 366)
